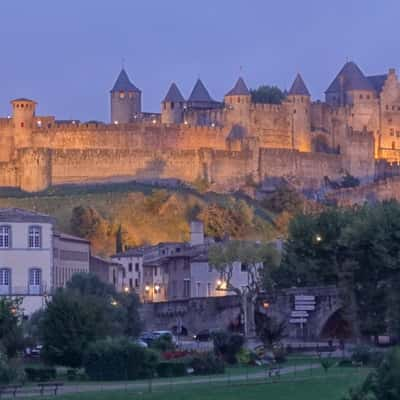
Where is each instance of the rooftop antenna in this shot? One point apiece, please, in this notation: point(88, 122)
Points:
point(241, 70)
point(123, 63)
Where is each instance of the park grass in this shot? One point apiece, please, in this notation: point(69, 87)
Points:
point(321, 387)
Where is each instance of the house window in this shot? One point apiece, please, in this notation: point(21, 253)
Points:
point(35, 281)
point(172, 105)
point(114, 277)
point(243, 267)
point(155, 271)
point(137, 267)
point(186, 288)
point(22, 124)
point(35, 237)
point(198, 289)
point(121, 95)
point(136, 282)
point(361, 96)
point(131, 283)
point(130, 267)
point(5, 281)
point(392, 132)
point(5, 237)
point(393, 145)
point(208, 289)
point(123, 273)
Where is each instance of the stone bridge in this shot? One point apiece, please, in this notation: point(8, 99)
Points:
point(195, 314)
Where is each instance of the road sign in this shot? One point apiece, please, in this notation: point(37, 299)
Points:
point(304, 297)
point(301, 307)
point(299, 314)
point(297, 320)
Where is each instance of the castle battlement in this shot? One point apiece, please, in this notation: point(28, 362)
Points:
point(219, 141)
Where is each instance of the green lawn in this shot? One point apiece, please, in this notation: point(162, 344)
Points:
point(330, 387)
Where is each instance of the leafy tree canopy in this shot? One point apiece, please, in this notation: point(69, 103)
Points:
point(267, 94)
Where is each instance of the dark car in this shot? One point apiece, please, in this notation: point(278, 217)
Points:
point(205, 335)
point(147, 337)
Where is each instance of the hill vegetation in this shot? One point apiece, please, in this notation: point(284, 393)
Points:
point(143, 214)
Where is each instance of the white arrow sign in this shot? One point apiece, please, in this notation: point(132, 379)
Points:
point(304, 297)
point(299, 314)
point(297, 320)
point(304, 308)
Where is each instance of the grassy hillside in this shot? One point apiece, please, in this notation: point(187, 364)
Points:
point(148, 214)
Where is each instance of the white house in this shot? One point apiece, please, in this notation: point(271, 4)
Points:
point(34, 260)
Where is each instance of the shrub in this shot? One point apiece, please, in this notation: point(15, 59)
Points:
point(7, 374)
point(118, 359)
point(245, 356)
point(279, 353)
point(167, 369)
point(227, 345)
point(346, 362)
point(41, 374)
point(172, 355)
point(361, 354)
point(163, 343)
point(207, 364)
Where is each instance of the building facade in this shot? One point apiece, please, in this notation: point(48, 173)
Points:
point(108, 271)
point(34, 260)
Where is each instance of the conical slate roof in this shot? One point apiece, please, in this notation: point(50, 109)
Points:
point(174, 94)
point(200, 93)
point(240, 89)
point(123, 83)
point(350, 77)
point(299, 88)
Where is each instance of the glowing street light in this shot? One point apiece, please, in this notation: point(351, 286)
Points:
point(318, 238)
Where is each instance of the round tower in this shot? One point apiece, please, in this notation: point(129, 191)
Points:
point(172, 107)
point(299, 106)
point(23, 114)
point(34, 169)
point(126, 100)
point(238, 102)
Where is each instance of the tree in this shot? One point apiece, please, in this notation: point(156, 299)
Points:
point(11, 339)
point(267, 94)
point(282, 199)
point(383, 383)
point(85, 311)
point(356, 249)
point(253, 258)
point(86, 222)
point(119, 246)
point(269, 329)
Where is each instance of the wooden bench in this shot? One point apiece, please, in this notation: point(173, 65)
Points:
point(9, 389)
point(51, 386)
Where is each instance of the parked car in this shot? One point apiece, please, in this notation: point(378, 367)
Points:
point(33, 352)
point(140, 343)
point(147, 337)
point(204, 335)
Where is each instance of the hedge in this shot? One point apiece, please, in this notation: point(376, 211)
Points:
point(119, 359)
point(166, 369)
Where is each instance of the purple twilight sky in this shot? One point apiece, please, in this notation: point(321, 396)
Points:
point(67, 54)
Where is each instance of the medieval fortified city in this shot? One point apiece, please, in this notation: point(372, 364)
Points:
point(230, 235)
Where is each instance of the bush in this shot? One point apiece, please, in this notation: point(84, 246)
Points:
point(345, 362)
point(279, 353)
point(227, 345)
point(163, 343)
point(245, 356)
point(118, 359)
point(172, 355)
point(7, 374)
point(41, 374)
point(207, 364)
point(367, 356)
point(166, 369)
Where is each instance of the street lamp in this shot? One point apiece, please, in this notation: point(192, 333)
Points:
point(318, 238)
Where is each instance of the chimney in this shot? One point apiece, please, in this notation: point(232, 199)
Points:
point(196, 233)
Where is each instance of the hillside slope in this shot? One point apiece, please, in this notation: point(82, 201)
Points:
point(148, 214)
